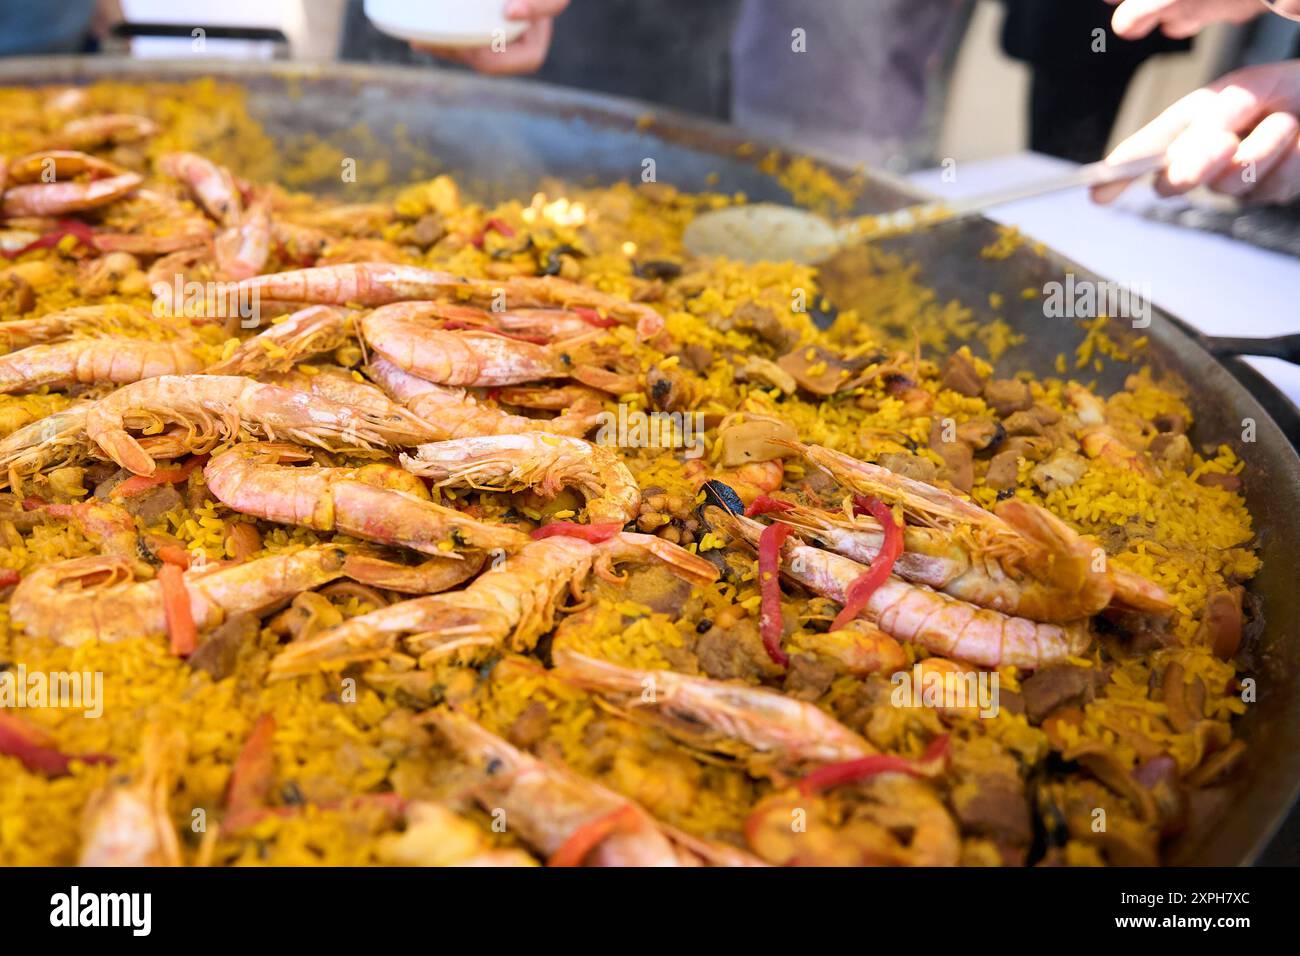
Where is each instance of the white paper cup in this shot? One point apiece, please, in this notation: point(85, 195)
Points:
point(465, 23)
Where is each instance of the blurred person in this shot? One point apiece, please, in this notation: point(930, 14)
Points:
point(860, 80)
point(45, 29)
point(1179, 19)
point(1076, 90)
point(868, 82)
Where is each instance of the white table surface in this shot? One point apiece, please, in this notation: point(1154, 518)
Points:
point(1217, 284)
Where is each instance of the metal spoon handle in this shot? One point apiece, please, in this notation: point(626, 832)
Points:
point(1093, 174)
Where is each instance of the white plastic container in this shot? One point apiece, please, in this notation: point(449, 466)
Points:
point(465, 23)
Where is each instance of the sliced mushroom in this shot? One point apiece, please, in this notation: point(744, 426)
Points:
point(819, 370)
point(765, 370)
point(745, 438)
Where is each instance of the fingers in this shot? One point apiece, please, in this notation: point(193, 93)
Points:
point(1258, 155)
point(1282, 184)
point(1200, 153)
point(1155, 137)
point(1134, 19)
point(523, 55)
point(1179, 19)
point(534, 9)
point(1208, 135)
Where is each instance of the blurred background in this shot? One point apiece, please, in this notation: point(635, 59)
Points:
point(957, 91)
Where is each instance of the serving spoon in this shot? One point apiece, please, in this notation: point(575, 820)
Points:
point(776, 233)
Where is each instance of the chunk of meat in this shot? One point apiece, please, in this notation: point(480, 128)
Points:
point(736, 652)
point(909, 466)
point(1057, 686)
point(766, 325)
point(1004, 470)
point(994, 806)
point(958, 458)
point(1023, 423)
point(219, 651)
point(982, 434)
point(1007, 395)
point(152, 503)
point(808, 678)
point(530, 727)
point(960, 375)
point(1214, 480)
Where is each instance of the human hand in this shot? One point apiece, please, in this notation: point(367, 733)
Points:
point(524, 54)
point(1240, 136)
point(1178, 19)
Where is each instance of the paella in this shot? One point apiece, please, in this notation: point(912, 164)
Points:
point(392, 527)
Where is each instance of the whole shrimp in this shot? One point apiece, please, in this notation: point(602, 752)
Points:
point(46, 184)
point(911, 612)
point(96, 598)
point(376, 502)
point(763, 719)
point(127, 822)
point(1026, 560)
point(512, 604)
point(952, 564)
point(455, 413)
point(215, 407)
point(382, 283)
point(112, 359)
point(84, 319)
point(537, 460)
point(551, 807)
point(402, 335)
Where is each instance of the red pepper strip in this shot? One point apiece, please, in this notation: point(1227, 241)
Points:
point(492, 225)
point(595, 533)
point(769, 588)
point(173, 554)
point(582, 841)
point(765, 504)
point(64, 227)
point(33, 503)
point(254, 770)
point(592, 317)
point(851, 771)
point(865, 585)
point(177, 611)
point(9, 578)
point(35, 749)
point(137, 484)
